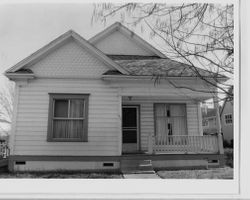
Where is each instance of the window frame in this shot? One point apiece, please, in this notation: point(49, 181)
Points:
point(169, 103)
point(231, 114)
point(60, 96)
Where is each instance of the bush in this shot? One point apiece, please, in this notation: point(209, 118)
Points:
point(229, 153)
point(227, 144)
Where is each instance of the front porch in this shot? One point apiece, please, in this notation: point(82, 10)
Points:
point(159, 125)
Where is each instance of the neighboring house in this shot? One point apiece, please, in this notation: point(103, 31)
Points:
point(4, 136)
point(209, 124)
point(92, 105)
point(227, 119)
point(209, 121)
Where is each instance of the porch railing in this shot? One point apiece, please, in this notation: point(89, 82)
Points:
point(4, 150)
point(185, 144)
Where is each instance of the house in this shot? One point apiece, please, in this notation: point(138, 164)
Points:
point(209, 120)
point(209, 124)
point(227, 119)
point(95, 105)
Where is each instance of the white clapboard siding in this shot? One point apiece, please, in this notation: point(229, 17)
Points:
point(144, 88)
point(121, 45)
point(72, 69)
point(147, 116)
point(32, 119)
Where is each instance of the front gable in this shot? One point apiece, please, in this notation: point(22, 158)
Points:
point(119, 40)
point(69, 55)
point(118, 44)
point(69, 60)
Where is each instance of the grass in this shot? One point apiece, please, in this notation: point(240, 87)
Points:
point(61, 175)
point(215, 173)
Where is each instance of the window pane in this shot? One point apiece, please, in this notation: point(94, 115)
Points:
point(60, 129)
point(129, 117)
point(160, 110)
point(179, 126)
point(61, 108)
point(67, 128)
point(75, 128)
point(161, 126)
point(177, 110)
point(76, 108)
point(129, 136)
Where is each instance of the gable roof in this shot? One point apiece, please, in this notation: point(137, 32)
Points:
point(155, 66)
point(16, 69)
point(210, 112)
point(128, 33)
point(126, 65)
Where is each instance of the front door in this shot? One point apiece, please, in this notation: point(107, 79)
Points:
point(130, 129)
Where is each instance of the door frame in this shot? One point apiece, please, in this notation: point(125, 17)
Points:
point(138, 118)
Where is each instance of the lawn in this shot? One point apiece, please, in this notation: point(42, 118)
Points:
point(216, 173)
point(61, 175)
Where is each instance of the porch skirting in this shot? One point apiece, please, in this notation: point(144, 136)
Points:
point(109, 163)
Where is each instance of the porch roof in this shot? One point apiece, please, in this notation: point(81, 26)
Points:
point(156, 66)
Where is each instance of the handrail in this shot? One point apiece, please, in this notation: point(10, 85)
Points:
point(184, 144)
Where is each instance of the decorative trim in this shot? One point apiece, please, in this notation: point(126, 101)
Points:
point(134, 77)
point(19, 76)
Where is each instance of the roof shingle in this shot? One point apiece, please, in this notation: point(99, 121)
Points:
point(155, 66)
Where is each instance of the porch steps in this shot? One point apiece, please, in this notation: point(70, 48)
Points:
point(137, 167)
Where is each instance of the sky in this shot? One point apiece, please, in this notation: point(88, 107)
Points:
point(25, 28)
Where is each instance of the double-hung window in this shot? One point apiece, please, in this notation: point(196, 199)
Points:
point(170, 119)
point(228, 118)
point(68, 118)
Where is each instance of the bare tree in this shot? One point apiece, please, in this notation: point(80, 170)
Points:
point(195, 34)
point(6, 106)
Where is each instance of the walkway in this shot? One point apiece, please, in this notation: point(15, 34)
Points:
point(141, 176)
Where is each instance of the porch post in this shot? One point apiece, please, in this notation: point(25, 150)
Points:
point(119, 107)
point(151, 142)
point(200, 118)
point(218, 124)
